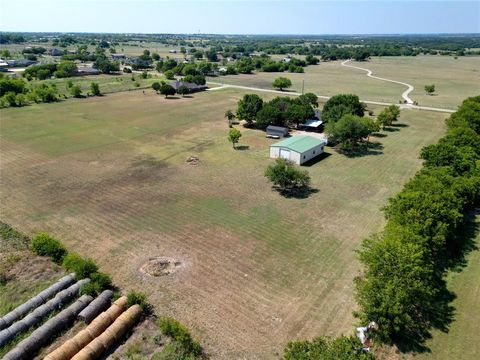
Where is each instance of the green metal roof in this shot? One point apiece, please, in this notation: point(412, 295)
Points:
point(299, 144)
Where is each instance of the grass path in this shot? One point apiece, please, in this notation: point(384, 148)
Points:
point(369, 74)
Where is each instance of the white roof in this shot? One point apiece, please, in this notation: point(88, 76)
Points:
point(313, 123)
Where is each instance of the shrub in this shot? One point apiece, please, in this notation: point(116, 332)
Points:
point(180, 333)
point(102, 280)
point(76, 91)
point(89, 289)
point(138, 298)
point(81, 267)
point(46, 245)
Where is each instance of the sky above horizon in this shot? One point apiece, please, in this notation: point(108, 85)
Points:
point(241, 17)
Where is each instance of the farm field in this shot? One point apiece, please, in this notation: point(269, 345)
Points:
point(256, 269)
point(455, 80)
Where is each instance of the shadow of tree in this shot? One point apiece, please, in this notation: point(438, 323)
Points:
point(374, 148)
point(242, 147)
point(296, 193)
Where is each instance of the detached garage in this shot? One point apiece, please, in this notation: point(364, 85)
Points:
point(298, 149)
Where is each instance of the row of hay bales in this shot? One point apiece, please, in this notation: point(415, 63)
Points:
point(104, 331)
point(43, 335)
point(36, 316)
point(36, 301)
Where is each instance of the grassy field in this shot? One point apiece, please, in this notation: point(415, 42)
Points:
point(108, 177)
point(108, 83)
point(454, 79)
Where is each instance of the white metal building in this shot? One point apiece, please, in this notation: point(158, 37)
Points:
point(298, 149)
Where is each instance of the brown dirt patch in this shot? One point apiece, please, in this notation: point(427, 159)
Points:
point(160, 266)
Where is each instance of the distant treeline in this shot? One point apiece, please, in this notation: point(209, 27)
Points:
point(328, 47)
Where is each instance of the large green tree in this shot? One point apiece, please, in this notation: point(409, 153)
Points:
point(284, 175)
point(350, 131)
point(282, 83)
point(343, 104)
point(248, 107)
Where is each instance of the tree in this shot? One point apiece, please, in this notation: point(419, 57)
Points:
point(76, 91)
point(311, 60)
point(398, 287)
point(65, 69)
point(269, 114)
point(155, 56)
point(388, 115)
point(309, 98)
point(233, 136)
point(339, 105)
point(230, 116)
point(183, 90)
point(350, 130)
point(299, 113)
point(169, 75)
point(281, 83)
point(166, 90)
point(106, 66)
point(95, 89)
point(284, 175)
point(430, 89)
point(248, 107)
point(156, 86)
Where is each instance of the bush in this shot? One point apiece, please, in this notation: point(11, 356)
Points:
point(180, 333)
point(76, 91)
point(138, 298)
point(102, 281)
point(81, 267)
point(285, 175)
point(45, 245)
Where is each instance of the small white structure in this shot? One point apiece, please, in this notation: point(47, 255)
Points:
point(298, 149)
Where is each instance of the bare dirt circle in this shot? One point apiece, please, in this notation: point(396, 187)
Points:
point(160, 266)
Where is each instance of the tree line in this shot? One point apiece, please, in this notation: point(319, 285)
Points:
point(402, 287)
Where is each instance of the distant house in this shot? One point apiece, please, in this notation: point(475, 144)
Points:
point(287, 59)
point(276, 132)
point(118, 56)
point(298, 149)
point(3, 65)
point(87, 70)
point(54, 52)
point(21, 63)
point(191, 86)
point(172, 51)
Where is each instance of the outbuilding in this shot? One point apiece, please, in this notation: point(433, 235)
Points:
point(276, 132)
point(298, 149)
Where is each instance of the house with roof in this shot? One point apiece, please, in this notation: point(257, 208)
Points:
point(176, 84)
point(315, 123)
point(298, 149)
point(118, 57)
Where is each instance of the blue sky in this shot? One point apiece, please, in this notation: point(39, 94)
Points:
point(241, 17)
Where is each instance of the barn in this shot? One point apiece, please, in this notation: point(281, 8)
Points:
point(298, 149)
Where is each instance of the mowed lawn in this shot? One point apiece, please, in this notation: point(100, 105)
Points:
point(454, 79)
point(108, 176)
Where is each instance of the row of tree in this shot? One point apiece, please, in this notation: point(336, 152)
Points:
point(281, 111)
point(402, 287)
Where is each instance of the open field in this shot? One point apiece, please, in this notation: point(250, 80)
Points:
point(108, 177)
point(455, 80)
point(108, 83)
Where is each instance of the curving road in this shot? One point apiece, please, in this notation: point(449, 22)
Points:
point(222, 86)
point(369, 74)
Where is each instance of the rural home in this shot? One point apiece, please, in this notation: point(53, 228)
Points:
point(191, 86)
point(276, 132)
point(118, 56)
point(298, 149)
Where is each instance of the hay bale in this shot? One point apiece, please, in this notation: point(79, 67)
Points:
point(96, 306)
point(111, 335)
point(35, 301)
point(42, 311)
point(45, 333)
point(72, 346)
